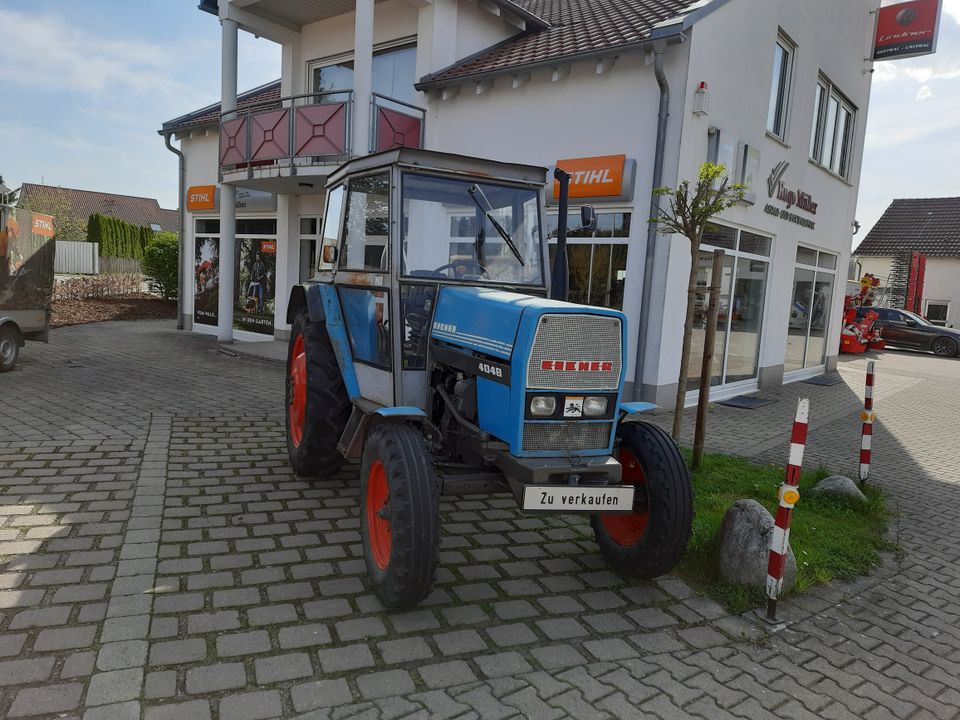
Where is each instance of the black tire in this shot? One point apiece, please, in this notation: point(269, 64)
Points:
point(9, 348)
point(403, 573)
point(327, 403)
point(656, 548)
point(944, 347)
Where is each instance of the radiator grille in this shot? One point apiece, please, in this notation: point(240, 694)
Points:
point(589, 339)
point(566, 436)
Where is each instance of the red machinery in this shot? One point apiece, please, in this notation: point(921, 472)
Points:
point(860, 334)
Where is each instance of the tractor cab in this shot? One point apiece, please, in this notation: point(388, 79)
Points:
point(430, 347)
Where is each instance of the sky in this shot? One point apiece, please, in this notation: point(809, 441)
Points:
point(86, 84)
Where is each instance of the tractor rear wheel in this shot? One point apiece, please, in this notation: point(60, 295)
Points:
point(317, 403)
point(399, 515)
point(650, 543)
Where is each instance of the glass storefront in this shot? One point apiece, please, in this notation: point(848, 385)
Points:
point(309, 237)
point(597, 260)
point(255, 273)
point(743, 289)
point(813, 281)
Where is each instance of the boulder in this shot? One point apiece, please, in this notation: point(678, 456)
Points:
point(743, 545)
point(840, 486)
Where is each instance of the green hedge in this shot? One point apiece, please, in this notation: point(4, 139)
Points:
point(118, 238)
point(160, 264)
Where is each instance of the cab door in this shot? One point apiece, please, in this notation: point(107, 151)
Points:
point(363, 284)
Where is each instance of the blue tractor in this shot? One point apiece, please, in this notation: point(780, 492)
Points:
point(429, 346)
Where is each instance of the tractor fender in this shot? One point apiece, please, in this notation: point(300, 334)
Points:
point(308, 295)
point(363, 420)
point(632, 411)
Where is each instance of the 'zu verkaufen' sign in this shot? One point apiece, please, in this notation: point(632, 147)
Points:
point(792, 198)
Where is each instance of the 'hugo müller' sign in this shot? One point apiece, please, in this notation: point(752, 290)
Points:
point(777, 188)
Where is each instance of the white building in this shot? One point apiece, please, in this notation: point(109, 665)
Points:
point(776, 90)
point(931, 227)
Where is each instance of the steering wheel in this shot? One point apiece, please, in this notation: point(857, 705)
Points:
point(461, 263)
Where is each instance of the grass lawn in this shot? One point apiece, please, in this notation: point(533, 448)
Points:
point(832, 538)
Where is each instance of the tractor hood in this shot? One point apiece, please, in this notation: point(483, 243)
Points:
point(487, 320)
point(480, 319)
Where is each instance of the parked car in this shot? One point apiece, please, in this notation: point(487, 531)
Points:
point(901, 328)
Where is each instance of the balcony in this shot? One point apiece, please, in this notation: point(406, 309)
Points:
point(308, 135)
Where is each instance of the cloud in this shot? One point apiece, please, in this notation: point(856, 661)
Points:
point(73, 59)
point(952, 8)
point(925, 93)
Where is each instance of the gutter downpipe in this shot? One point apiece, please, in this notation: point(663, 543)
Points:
point(183, 233)
point(652, 224)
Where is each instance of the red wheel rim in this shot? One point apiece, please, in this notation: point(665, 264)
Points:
point(297, 409)
point(378, 527)
point(627, 530)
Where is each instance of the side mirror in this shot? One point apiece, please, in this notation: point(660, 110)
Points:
point(911, 323)
point(588, 217)
point(329, 254)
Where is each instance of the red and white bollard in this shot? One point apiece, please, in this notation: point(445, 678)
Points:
point(788, 496)
point(867, 416)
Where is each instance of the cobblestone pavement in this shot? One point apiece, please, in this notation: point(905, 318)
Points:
point(158, 560)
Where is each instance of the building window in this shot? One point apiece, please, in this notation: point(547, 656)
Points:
point(597, 260)
point(814, 278)
point(309, 240)
point(743, 289)
point(394, 73)
point(783, 53)
point(936, 312)
point(831, 138)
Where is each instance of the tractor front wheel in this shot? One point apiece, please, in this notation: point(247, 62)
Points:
point(399, 515)
point(318, 406)
point(649, 543)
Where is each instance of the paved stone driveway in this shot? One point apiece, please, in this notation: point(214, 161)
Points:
point(158, 560)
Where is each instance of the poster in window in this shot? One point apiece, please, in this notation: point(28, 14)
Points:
point(256, 285)
point(207, 288)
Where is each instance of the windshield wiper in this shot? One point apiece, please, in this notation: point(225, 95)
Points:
point(473, 191)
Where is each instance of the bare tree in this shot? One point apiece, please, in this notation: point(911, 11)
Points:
point(689, 214)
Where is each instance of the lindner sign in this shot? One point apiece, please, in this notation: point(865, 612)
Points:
point(792, 198)
point(906, 30)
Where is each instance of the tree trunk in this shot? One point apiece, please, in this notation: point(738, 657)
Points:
point(687, 337)
point(706, 368)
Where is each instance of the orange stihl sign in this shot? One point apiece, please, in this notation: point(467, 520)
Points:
point(201, 197)
point(42, 225)
point(593, 176)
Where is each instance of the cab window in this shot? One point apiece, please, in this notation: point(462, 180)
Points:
point(366, 224)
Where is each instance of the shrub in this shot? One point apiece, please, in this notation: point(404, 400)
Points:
point(160, 264)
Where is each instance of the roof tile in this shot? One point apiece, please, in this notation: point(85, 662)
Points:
point(210, 115)
point(84, 203)
point(926, 225)
point(577, 27)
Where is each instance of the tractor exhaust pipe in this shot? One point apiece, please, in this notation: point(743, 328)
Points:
point(560, 276)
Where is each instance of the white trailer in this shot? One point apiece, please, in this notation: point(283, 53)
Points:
point(27, 252)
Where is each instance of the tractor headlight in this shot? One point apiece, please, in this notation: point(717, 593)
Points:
point(594, 406)
point(543, 406)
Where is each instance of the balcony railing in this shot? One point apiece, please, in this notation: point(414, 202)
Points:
point(310, 129)
point(313, 129)
point(394, 123)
